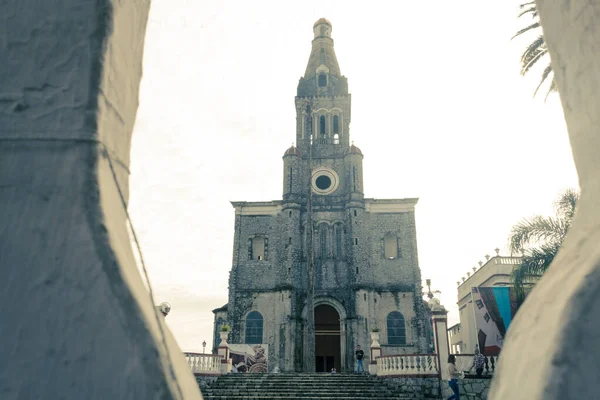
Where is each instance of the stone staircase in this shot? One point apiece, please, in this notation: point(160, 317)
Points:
point(300, 386)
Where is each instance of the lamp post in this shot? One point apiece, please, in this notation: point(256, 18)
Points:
point(203, 346)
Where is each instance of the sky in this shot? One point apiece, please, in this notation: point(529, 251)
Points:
point(437, 102)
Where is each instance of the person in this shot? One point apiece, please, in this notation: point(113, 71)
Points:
point(478, 362)
point(454, 375)
point(333, 371)
point(359, 360)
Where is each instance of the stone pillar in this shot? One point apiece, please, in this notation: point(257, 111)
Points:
point(79, 321)
point(440, 332)
point(551, 349)
point(375, 353)
point(223, 351)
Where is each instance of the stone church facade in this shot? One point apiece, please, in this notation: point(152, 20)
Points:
point(366, 271)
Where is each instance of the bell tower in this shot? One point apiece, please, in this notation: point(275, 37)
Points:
point(323, 158)
point(322, 100)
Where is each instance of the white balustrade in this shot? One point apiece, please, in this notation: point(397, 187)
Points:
point(465, 361)
point(204, 363)
point(408, 364)
point(508, 260)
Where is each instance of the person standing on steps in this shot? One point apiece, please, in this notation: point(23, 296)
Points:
point(454, 375)
point(359, 360)
point(478, 362)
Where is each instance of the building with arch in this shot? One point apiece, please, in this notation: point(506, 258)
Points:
point(363, 251)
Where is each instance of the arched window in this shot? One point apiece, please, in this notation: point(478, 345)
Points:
point(338, 242)
point(323, 240)
point(322, 125)
point(396, 330)
point(258, 248)
point(322, 80)
point(254, 328)
point(390, 245)
point(336, 124)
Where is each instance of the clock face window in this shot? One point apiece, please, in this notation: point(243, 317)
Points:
point(324, 180)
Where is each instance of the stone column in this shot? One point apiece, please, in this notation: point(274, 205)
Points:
point(440, 332)
point(223, 351)
point(551, 349)
point(375, 353)
point(78, 319)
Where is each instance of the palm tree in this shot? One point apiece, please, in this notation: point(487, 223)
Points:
point(536, 50)
point(539, 239)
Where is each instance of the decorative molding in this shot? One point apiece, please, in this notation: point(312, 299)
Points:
point(390, 205)
point(258, 208)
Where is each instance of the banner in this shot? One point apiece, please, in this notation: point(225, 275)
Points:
point(494, 308)
point(251, 358)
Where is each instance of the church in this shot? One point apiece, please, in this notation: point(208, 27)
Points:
point(324, 247)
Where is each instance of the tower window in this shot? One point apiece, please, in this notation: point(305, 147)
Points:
point(322, 80)
point(356, 241)
point(322, 125)
point(254, 328)
point(336, 124)
point(258, 248)
point(355, 213)
point(390, 245)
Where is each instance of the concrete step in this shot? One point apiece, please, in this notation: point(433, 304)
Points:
point(370, 393)
point(270, 396)
point(296, 384)
point(264, 397)
point(301, 386)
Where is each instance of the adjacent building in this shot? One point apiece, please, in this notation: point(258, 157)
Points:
point(467, 334)
point(361, 253)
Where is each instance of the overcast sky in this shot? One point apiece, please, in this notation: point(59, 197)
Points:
point(438, 108)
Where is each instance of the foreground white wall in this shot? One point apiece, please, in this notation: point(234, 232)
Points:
point(553, 346)
point(77, 322)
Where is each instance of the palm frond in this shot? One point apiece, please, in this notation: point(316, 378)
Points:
point(551, 89)
point(528, 4)
point(532, 9)
point(520, 281)
point(536, 230)
point(533, 53)
point(533, 265)
point(545, 74)
point(526, 29)
point(566, 203)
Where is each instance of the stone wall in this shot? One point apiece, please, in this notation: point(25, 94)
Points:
point(429, 388)
point(470, 389)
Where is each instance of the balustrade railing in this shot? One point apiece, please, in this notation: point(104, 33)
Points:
point(465, 361)
point(408, 365)
point(204, 363)
point(508, 260)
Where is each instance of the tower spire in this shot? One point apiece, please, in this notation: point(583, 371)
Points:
point(322, 55)
point(326, 122)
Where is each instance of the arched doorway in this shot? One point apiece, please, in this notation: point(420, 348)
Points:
point(327, 339)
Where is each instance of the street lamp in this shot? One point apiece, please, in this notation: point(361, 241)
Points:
point(203, 346)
